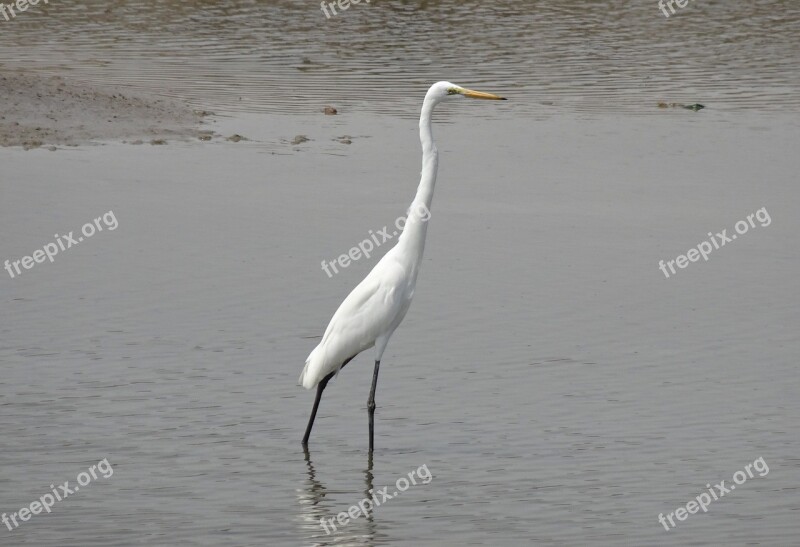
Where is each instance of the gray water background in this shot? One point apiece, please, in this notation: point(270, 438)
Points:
point(558, 387)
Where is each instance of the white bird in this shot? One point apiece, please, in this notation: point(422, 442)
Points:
point(373, 310)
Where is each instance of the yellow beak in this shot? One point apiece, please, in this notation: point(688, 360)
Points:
point(481, 95)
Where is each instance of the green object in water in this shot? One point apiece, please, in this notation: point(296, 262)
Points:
point(694, 107)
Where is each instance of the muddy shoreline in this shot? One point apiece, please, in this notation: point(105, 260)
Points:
point(51, 111)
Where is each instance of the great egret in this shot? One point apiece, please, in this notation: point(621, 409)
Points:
point(373, 310)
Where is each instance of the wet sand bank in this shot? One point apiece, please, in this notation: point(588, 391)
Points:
point(55, 111)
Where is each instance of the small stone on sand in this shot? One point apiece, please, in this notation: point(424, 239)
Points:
point(300, 139)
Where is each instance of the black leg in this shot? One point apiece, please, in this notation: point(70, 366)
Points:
point(371, 405)
point(320, 388)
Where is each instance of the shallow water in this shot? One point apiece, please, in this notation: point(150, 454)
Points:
point(558, 387)
point(284, 56)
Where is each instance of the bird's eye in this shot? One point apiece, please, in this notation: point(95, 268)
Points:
point(451, 91)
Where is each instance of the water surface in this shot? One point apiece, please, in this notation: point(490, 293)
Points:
point(559, 388)
point(284, 56)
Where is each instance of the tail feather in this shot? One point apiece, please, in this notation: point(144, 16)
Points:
point(310, 376)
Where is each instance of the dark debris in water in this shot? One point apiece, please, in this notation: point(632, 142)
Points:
point(299, 139)
point(695, 107)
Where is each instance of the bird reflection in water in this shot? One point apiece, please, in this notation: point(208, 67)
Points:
point(315, 505)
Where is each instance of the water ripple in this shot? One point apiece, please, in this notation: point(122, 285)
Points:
point(285, 57)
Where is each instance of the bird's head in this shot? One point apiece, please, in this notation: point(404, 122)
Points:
point(445, 90)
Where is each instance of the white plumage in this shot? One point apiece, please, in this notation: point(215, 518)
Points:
point(366, 318)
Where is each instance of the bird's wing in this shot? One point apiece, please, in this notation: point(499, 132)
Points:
point(372, 309)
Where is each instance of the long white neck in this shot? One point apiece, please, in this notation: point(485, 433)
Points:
point(416, 228)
